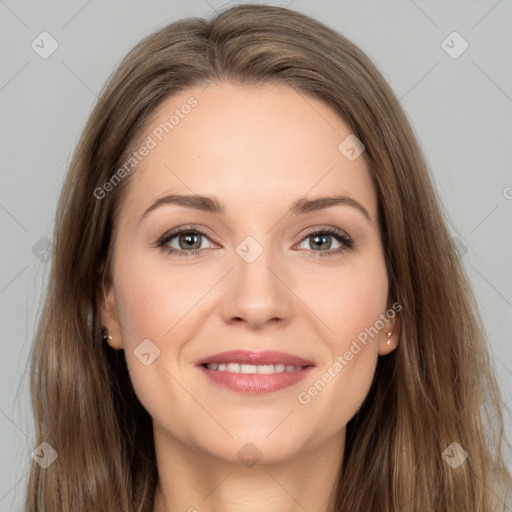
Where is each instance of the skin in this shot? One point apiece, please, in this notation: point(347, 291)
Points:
point(257, 148)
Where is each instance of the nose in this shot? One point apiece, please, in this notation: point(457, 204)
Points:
point(256, 293)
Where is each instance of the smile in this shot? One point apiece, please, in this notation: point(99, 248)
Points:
point(253, 368)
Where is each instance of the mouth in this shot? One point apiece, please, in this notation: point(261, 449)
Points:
point(254, 372)
point(252, 368)
point(248, 358)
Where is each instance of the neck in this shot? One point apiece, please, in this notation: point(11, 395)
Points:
point(192, 480)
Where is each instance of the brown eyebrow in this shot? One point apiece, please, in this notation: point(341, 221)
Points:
point(305, 205)
point(211, 204)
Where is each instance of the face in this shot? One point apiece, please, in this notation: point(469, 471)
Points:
point(255, 274)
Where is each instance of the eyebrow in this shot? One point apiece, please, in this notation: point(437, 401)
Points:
point(210, 204)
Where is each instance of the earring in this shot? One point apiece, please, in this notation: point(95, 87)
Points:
point(389, 340)
point(107, 334)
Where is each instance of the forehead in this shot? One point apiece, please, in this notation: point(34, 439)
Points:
point(253, 146)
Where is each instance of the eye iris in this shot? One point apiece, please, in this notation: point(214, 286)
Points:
point(318, 241)
point(189, 240)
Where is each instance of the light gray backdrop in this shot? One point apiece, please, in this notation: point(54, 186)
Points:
point(458, 99)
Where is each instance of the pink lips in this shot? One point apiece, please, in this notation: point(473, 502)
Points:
point(255, 383)
point(248, 357)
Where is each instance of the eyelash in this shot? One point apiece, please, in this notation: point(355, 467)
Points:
point(346, 241)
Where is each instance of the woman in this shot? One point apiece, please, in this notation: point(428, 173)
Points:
point(254, 302)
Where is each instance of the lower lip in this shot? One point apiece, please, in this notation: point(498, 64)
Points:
point(255, 383)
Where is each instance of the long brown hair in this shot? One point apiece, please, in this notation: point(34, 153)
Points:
point(438, 387)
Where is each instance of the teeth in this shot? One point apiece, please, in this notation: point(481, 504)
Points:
point(253, 368)
point(233, 367)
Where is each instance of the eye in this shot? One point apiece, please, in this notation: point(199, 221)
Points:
point(184, 242)
point(321, 241)
point(188, 241)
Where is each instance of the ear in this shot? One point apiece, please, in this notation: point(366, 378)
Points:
point(108, 316)
point(392, 326)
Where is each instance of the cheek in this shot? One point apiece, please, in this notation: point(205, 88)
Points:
point(352, 308)
point(151, 299)
point(155, 303)
point(347, 300)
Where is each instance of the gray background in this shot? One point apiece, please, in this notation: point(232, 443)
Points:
point(460, 108)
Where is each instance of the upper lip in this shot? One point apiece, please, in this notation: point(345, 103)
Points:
point(256, 358)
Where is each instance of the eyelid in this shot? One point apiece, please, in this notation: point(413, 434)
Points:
point(323, 229)
point(186, 228)
point(346, 241)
